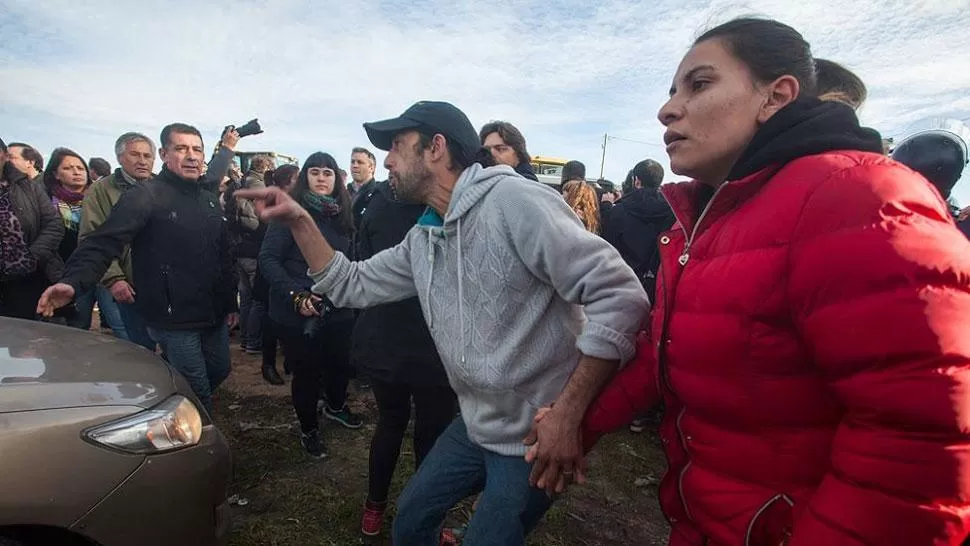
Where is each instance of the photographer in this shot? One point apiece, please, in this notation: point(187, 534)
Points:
point(316, 338)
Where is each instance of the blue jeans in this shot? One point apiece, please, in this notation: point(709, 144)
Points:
point(107, 309)
point(202, 356)
point(135, 326)
point(508, 509)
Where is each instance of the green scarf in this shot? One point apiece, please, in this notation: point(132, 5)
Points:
point(323, 204)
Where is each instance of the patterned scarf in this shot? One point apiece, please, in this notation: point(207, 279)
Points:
point(323, 204)
point(15, 257)
point(68, 204)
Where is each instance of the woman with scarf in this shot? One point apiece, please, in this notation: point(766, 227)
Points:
point(809, 339)
point(30, 232)
point(66, 179)
point(316, 337)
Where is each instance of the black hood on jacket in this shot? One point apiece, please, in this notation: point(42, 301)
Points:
point(645, 204)
point(807, 126)
point(524, 168)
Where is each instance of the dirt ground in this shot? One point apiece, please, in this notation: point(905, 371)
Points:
point(296, 501)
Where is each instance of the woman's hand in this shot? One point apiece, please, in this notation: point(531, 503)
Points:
point(307, 308)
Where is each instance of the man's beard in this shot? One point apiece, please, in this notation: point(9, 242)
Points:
point(412, 186)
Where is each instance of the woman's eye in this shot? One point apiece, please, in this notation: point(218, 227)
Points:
point(699, 85)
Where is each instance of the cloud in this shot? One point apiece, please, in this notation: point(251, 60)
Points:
point(78, 73)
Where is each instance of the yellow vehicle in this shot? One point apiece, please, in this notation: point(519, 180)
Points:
point(548, 169)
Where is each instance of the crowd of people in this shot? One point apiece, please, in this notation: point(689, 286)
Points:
point(806, 334)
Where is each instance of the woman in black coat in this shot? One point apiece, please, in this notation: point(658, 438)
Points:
point(393, 348)
point(30, 234)
point(284, 178)
point(315, 336)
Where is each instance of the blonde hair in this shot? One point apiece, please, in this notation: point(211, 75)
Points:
point(581, 197)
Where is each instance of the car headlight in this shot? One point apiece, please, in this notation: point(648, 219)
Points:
point(173, 424)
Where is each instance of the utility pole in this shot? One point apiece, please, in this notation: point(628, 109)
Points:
point(606, 136)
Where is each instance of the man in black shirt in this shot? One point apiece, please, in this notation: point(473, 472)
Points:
point(181, 263)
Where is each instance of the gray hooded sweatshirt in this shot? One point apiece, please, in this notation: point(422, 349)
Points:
point(513, 289)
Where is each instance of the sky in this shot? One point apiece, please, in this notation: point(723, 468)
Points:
point(78, 73)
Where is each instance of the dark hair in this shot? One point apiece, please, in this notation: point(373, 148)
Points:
point(57, 157)
point(573, 170)
point(838, 83)
point(29, 153)
point(769, 49)
point(345, 219)
point(100, 166)
point(510, 135)
point(180, 128)
point(281, 177)
point(649, 172)
point(261, 162)
point(365, 151)
point(461, 159)
point(3, 146)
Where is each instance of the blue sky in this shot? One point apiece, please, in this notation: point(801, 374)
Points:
point(78, 73)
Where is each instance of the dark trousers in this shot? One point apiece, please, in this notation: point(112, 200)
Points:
point(18, 296)
point(323, 359)
point(270, 340)
point(434, 409)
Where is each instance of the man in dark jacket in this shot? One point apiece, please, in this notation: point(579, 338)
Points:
point(362, 167)
point(636, 220)
point(393, 348)
point(181, 263)
point(507, 146)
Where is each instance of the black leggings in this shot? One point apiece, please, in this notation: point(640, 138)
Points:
point(434, 410)
point(270, 342)
point(324, 358)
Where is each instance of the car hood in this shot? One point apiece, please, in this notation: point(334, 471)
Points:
point(44, 366)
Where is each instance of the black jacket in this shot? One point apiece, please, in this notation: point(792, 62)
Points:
point(285, 270)
point(391, 342)
point(181, 261)
point(632, 226)
point(42, 225)
point(361, 199)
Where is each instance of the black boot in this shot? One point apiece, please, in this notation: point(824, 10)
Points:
point(272, 376)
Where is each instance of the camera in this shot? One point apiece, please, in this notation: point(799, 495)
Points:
point(251, 127)
point(312, 325)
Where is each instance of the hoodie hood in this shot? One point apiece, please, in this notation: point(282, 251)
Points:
point(474, 183)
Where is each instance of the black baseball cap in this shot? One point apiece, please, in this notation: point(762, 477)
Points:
point(428, 117)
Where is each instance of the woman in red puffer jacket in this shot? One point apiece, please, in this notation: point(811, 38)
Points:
point(811, 335)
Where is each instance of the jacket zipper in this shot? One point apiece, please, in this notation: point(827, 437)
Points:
point(683, 471)
point(168, 290)
point(685, 255)
point(661, 352)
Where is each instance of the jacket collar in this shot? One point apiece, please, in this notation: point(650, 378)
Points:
point(686, 198)
point(182, 184)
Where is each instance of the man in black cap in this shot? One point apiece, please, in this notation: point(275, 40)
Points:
point(527, 309)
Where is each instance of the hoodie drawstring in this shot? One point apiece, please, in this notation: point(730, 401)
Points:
point(430, 277)
point(461, 296)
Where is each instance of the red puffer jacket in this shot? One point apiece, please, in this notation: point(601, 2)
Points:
point(811, 345)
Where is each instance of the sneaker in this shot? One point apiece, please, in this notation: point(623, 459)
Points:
point(313, 444)
point(638, 425)
point(343, 416)
point(372, 521)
